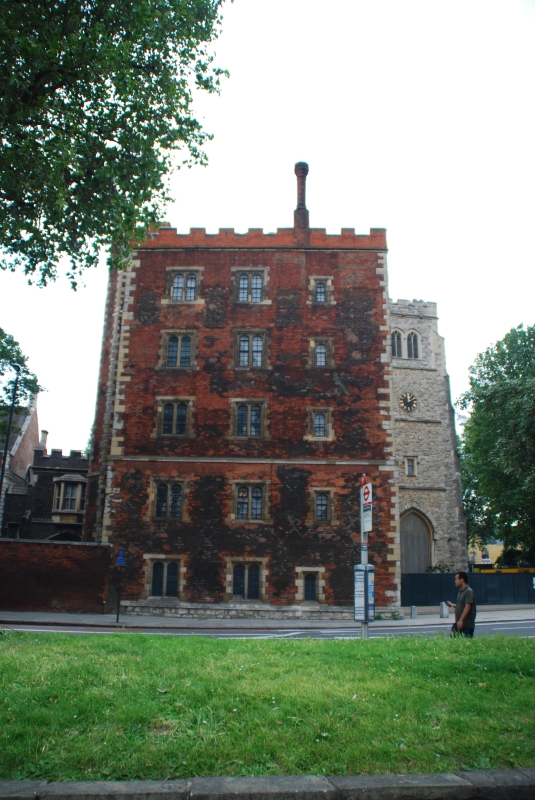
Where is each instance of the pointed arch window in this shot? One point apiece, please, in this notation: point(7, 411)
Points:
point(246, 581)
point(191, 287)
point(396, 344)
point(164, 577)
point(412, 345)
point(185, 285)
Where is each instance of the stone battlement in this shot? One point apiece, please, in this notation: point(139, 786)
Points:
point(56, 459)
point(420, 308)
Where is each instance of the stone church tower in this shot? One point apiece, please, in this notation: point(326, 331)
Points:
point(432, 526)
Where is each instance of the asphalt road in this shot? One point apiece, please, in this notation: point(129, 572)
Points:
point(507, 627)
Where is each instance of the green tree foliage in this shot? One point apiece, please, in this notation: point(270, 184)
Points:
point(95, 97)
point(498, 452)
point(10, 353)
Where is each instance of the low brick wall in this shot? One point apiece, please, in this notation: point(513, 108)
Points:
point(37, 575)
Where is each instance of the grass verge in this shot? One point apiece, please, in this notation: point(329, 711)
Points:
point(128, 707)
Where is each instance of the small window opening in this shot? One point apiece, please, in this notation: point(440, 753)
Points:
point(178, 287)
point(321, 294)
point(157, 579)
point(322, 506)
point(238, 587)
point(185, 351)
point(310, 586)
point(321, 355)
point(191, 287)
point(412, 345)
point(319, 425)
point(172, 351)
point(396, 345)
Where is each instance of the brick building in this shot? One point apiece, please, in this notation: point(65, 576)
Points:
point(244, 389)
point(48, 503)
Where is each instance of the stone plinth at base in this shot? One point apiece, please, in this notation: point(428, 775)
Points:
point(304, 611)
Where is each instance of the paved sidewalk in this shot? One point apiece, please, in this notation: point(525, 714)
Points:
point(426, 616)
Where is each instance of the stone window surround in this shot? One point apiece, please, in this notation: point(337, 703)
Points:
point(150, 559)
point(235, 273)
point(235, 350)
point(329, 427)
point(329, 354)
point(59, 493)
point(300, 583)
point(331, 502)
point(234, 402)
point(231, 561)
point(171, 272)
point(162, 352)
point(329, 290)
point(414, 459)
point(404, 350)
point(150, 516)
point(158, 417)
point(232, 517)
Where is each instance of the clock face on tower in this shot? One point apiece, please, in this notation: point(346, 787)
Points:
point(408, 401)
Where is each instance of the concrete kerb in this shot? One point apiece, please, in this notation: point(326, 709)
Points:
point(480, 784)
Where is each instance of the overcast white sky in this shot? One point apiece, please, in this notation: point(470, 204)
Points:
point(416, 116)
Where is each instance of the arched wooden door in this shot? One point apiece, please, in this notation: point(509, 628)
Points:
point(415, 544)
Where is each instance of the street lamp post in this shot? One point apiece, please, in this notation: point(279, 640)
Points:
point(9, 422)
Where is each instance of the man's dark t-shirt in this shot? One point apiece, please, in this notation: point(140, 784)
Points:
point(466, 596)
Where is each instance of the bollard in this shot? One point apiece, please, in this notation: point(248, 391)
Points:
point(444, 611)
point(414, 612)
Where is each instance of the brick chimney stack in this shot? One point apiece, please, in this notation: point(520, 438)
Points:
point(301, 212)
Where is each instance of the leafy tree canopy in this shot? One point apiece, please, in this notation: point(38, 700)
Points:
point(10, 353)
point(498, 453)
point(95, 95)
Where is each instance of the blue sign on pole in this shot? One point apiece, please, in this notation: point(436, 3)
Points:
point(121, 552)
point(121, 561)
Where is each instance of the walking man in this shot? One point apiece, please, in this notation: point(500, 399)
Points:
point(465, 607)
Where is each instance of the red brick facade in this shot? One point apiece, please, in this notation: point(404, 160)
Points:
point(53, 576)
point(142, 380)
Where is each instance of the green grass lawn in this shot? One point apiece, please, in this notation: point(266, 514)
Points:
point(148, 707)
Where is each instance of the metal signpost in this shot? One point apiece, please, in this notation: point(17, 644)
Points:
point(120, 563)
point(364, 574)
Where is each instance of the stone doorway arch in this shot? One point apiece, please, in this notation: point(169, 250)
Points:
point(416, 538)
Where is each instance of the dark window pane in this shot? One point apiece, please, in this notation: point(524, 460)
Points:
point(238, 584)
point(412, 345)
point(171, 583)
point(253, 582)
point(321, 506)
point(157, 579)
point(243, 295)
point(69, 497)
point(176, 500)
point(82, 497)
point(320, 293)
point(185, 351)
point(321, 355)
point(410, 466)
point(242, 511)
point(181, 419)
point(396, 345)
point(161, 500)
point(256, 503)
point(191, 287)
point(167, 420)
point(257, 351)
point(319, 425)
point(178, 287)
point(172, 351)
point(256, 420)
point(244, 351)
point(256, 290)
point(241, 421)
point(310, 586)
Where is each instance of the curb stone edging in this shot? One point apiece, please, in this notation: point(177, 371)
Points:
point(476, 785)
